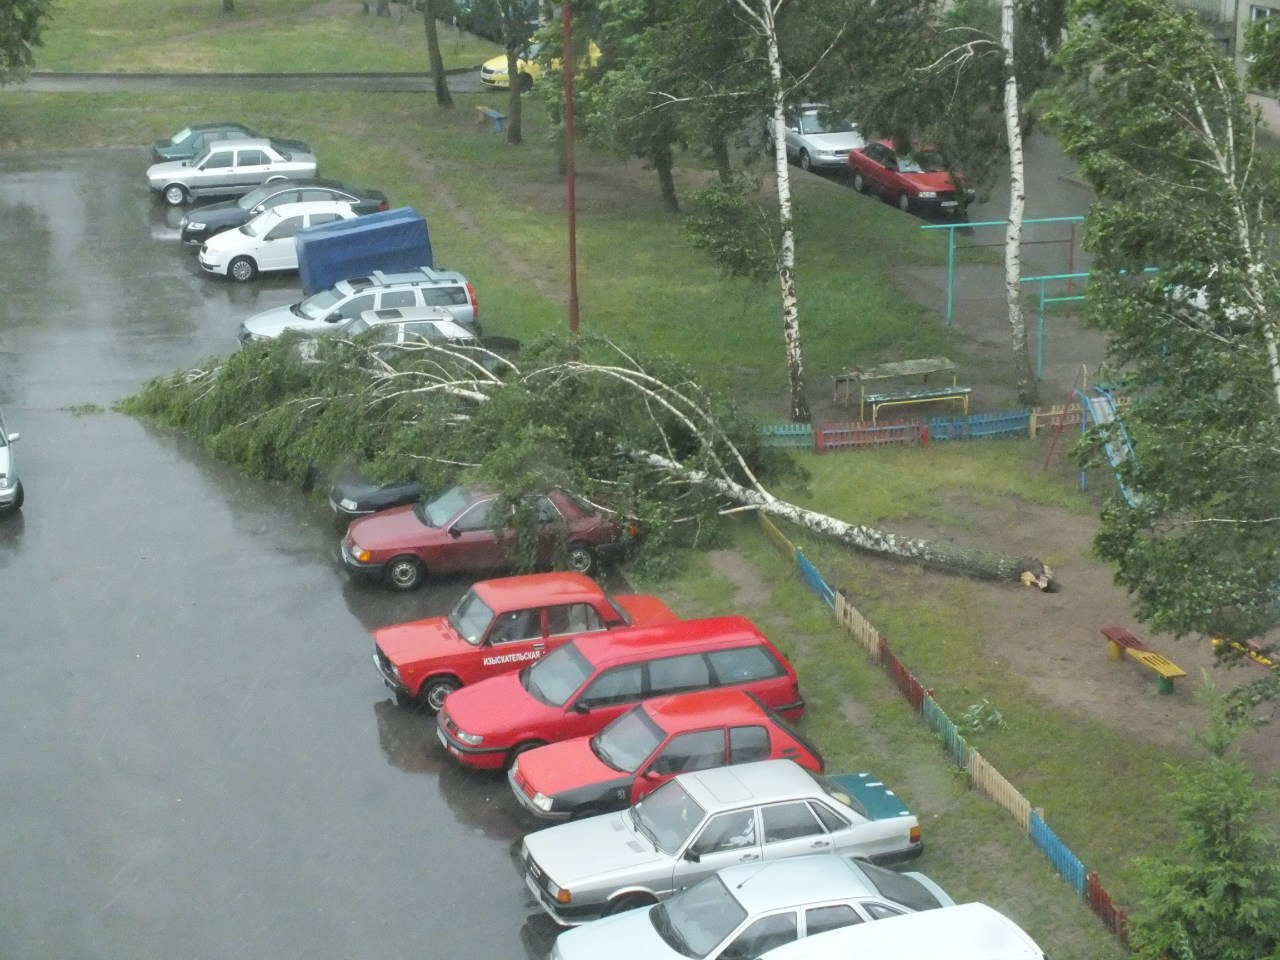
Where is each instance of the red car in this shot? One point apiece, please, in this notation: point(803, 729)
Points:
point(578, 689)
point(455, 533)
point(919, 181)
point(650, 744)
point(499, 626)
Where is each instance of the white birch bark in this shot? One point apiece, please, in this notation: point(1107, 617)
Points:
point(1017, 205)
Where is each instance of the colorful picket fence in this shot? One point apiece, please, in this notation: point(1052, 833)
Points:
point(983, 777)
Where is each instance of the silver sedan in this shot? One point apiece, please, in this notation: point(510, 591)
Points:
point(228, 168)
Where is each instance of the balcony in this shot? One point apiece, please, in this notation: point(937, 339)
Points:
point(1211, 12)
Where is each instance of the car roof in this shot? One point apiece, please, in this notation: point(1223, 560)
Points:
point(242, 142)
point(226, 125)
point(704, 707)
point(307, 206)
point(794, 881)
point(765, 781)
point(420, 277)
point(405, 314)
point(537, 589)
point(685, 636)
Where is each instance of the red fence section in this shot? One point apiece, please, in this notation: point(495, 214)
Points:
point(1100, 902)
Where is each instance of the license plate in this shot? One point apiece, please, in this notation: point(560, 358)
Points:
point(948, 203)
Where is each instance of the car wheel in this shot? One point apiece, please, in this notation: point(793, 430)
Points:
point(806, 163)
point(242, 269)
point(860, 183)
point(582, 559)
point(518, 749)
point(526, 83)
point(628, 901)
point(175, 194)
point(433, 691)
point(404, 572)
point(904, 203)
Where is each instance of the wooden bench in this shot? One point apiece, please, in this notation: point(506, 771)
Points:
point(906, 397)
point(1252, 650)
point(488, 113)
point(1121, 643)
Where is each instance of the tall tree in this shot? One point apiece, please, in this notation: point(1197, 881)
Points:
point(1159, 125)
point(430, 21)
point(21, 23)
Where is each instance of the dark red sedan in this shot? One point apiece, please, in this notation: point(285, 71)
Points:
point(461, 531)
point(647, 746)
point(917, 181)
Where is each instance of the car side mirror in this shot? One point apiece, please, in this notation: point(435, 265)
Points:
point(791, 129)
point(582, 707)
point(15, 437)
point(693, 856)
point(455, 532)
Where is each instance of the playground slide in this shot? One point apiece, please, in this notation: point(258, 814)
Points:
point(1099, 409)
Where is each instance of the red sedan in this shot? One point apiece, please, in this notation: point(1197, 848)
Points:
point(918, 181)
point(650, 744)
point(460, 531)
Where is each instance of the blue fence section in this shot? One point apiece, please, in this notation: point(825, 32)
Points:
point(999, 424)
point(814, 579)
point(1062, 859)
point(787, 435)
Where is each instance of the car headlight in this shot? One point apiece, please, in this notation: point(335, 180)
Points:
point(360, 553)
point(562, 895)
point(395, 671)
point(928, 194)
point(192, 224)
point(542, 802)
point(474, 739)
point(346, 503)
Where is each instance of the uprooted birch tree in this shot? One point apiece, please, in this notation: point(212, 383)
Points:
point(641, 436)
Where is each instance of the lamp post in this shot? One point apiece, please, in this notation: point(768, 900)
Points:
point(569, 64)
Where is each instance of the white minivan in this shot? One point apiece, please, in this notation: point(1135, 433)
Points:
point(266, 242)
point(970, 931)
point(11, 494)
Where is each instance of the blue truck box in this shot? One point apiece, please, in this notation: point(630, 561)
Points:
point(391, 241)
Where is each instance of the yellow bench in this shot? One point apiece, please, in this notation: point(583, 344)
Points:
point(1122, 642)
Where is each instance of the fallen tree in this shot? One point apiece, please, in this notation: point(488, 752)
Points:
point(642, 436)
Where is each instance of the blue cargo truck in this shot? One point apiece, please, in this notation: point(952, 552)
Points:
point(390, 241)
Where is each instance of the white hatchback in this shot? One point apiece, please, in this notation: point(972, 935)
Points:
point(267, 242)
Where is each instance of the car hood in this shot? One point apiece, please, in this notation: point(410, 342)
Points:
point(167, 169)
point(229, 213)
point(645, 610)
point(272, 323)
point(373, 496)
point(406, 643)
point(495, 705)
point(389, 529)
point(226, 241)
point(576, 852)
point(930, 181)
point(563, 767)
point(849, 140)
point(624, 936)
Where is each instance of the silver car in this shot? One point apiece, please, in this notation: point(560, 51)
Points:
point(227, 168)
point(742, 912)
point(818, 137)
point(11, 493)
point(698, 823)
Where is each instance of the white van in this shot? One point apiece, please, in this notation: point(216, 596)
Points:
point(971, 931)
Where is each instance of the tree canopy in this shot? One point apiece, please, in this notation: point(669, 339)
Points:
point(21, 23)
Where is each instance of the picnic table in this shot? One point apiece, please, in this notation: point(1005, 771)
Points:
point(906, 373)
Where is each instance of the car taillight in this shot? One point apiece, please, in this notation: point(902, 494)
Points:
point(383, 206)
point(475, 304)
point(915, 834)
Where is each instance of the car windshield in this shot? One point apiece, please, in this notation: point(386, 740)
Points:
point(318, 304)
point(839, 793)
point(899, 887)
point(471, 617)
point(628, 741)
point(668, 816)
point(354, 327)
point(202, 156)
point(259, 225)
point(438, 512)
point(825, 121)
point(180, 136)
point(697, 920)
point(926, 161)
point(255, 197)
point(556, 677)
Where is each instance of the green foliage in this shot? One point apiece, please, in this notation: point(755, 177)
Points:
point(980, 717)
point(729, 223)
point(1217, 893)
point(21, 24)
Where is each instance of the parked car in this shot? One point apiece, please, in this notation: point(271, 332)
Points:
point(817, 137)
point(11, 492)
point(377, 291)
point(578, 689)
point(266, 243)
point(742, 912)
point(201, 223)
point(397, 330)
point(702, 822)
point(227, 168)
point(189, 141)
point(918, 181)
point(967, 931)
point(498, 626)
point(455, 533)
point(493, 72)
point(650, 744)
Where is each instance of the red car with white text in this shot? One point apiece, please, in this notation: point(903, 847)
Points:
point(502, 625)
point(650, 744)
point(578, 689)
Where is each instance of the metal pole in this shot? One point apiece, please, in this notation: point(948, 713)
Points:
point(951, 271)
point(570, 64)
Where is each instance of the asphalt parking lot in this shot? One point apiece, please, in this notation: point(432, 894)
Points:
point(200, 758)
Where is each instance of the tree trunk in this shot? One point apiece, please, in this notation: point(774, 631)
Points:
point(443, 97)
point(787, 255)
point(720, 156)
point(383, 9)
point(514, 133)
point(1027, 387)
point(228, 6)
point(664, 163)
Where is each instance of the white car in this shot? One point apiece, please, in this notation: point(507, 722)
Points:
point(743, 911)
point(818, 137)
point(11, 494)
point(266, 242)
point(397, 328)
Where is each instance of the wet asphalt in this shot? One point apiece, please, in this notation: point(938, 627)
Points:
point(199, 758)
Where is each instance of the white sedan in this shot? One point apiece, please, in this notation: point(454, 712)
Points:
point(266, 242)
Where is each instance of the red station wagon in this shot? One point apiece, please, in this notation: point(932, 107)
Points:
point(499, 626)
point(650, 744)
point(914, 182)
point(578, 689)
